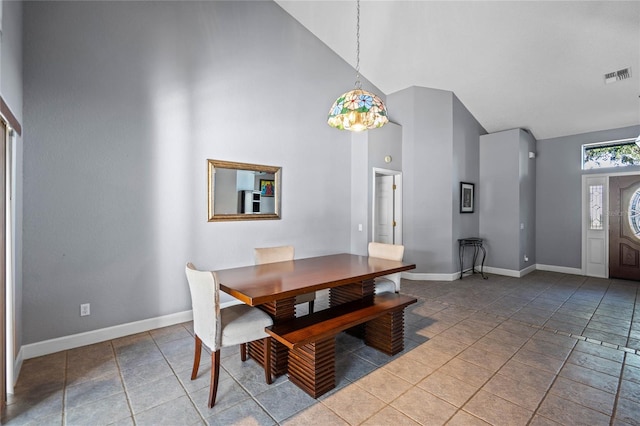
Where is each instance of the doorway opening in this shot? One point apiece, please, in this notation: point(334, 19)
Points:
point(387, 206)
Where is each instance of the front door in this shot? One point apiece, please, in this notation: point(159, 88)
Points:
point(624, 227)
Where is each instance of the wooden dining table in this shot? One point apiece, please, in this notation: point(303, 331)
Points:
point(273, 287)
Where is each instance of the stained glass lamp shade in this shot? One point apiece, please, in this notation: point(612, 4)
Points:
point(357, 110)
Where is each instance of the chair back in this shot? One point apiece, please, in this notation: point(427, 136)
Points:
point(205, 302)
point(389, 252)
point(273, 254)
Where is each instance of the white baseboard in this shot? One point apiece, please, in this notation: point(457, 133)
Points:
point(46, 347)
point(561, 269)
point(423, 276)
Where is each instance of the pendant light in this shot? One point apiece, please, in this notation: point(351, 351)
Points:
point(358, 110)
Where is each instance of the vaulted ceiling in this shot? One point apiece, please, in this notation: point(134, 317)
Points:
point(539, 65)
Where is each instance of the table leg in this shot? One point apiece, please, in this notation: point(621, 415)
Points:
point(461, 256)
point(475, 258)
point(484, 254)
point(279, 310)
point(350, 292)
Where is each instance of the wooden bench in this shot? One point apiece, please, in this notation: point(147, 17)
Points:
point(311, 338)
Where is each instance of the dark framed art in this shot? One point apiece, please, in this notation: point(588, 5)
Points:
point(467, 197)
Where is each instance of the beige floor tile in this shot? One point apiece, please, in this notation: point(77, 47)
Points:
point(462, 418)
point(384, 385)
point(446, 346)
point(460, 339)
point(353, 404)
point(539, 361)
point(538, 379)
point(630, 390)
point(596, 363)
point(409, 369)
point(316, 413)
point(567, 412)
point(466, 372)
point(389, 416)
point(582, 394)
point(590, 377)
point(423, 407)
point(628, 411)
point(497, 411)
point(515, 391)
point(492, 361)
point(448, 388)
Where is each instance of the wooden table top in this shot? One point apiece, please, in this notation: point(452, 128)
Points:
point(258, 284)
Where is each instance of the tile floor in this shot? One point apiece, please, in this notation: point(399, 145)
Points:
point(545, 349)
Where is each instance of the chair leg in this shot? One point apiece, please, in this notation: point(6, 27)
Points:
point(267, 360)
point(243, 352)
point(311, 306)
point(215, 373)
point(196, 358)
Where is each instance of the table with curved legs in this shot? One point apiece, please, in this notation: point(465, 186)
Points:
point(477, 244)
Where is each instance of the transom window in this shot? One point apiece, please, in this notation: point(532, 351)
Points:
point(619, 153)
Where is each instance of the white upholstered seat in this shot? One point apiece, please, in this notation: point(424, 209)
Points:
point(282, 254)
point(218, 328)
point(388, 283)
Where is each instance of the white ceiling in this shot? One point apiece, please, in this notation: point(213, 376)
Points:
point(538, 65)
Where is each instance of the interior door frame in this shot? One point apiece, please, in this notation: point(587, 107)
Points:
point(605, 216)
point(397, 202)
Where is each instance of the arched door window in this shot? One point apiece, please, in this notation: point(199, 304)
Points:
point(634, 213)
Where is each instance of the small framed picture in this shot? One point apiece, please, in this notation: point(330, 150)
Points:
point(266, 187)
point(467, 197)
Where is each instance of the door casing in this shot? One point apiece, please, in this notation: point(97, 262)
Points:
point(397, 203)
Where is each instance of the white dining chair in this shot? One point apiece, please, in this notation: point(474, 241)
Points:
point(218, 328)
point(387, 283)
point(281, 254)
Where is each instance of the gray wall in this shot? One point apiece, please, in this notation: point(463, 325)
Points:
point(466, 168)
point(11, 90)
point(499, 192)
point(439, 148)
point(558, 194)
point(124, 102)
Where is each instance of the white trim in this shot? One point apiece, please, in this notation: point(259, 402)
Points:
point(17, 365)
point(561, 269)
point(46, 347)
point(423, 276)
point(510, 272)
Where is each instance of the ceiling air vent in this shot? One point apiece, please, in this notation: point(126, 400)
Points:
point(614, 76)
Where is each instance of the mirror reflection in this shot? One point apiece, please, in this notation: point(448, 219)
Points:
point(242, 191)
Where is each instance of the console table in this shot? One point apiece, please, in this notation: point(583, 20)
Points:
point(476, 243)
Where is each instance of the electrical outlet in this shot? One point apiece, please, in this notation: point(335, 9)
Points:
point(85, 309)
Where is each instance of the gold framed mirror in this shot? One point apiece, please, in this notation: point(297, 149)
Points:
point(243, 191)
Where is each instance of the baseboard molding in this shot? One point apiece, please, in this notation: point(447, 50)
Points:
point(561, 269)
point(423, 276)
point(46, 347)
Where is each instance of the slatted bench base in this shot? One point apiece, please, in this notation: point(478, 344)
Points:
point(312, 367)
point(311, 339)
point(386, 333)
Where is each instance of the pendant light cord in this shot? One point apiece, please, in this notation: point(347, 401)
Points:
point(358, 84)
